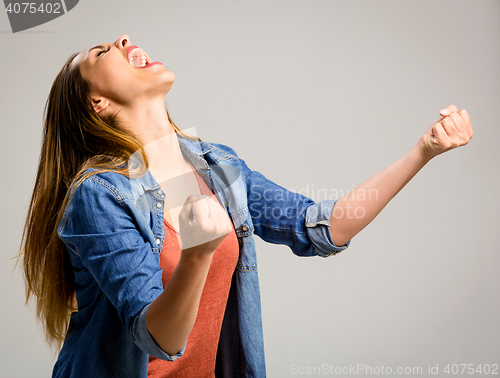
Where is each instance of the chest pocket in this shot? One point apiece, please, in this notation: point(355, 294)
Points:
point(229, 182)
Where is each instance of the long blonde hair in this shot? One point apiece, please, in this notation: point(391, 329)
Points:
point(75, 138)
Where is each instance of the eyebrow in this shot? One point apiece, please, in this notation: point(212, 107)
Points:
point(96, 47)
point(101, 47)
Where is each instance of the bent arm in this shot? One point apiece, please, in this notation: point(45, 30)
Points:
point(171, 316)
point(357, 209)
point(100, 232)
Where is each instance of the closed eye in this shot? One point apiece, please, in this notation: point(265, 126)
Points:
point(103, 51)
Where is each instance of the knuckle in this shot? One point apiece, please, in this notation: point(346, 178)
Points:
point(205, 227)
point(446, 121)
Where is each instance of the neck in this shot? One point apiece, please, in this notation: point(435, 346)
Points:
point(148, 122)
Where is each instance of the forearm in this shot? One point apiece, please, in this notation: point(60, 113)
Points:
point(170, 318)
point(357, 209)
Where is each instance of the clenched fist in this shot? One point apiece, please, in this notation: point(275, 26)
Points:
point(203, 224)
point(451, 131)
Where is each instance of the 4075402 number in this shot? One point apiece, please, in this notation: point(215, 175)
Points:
point(33, 8)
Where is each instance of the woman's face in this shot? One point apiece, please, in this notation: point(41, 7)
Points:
point(123, 74)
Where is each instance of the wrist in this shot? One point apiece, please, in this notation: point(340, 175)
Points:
point(420, 153)
point(195, 257)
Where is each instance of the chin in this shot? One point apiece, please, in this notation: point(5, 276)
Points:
point(167, 77)
point(171, 78)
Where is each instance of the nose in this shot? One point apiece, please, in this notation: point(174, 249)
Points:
point(122, 41)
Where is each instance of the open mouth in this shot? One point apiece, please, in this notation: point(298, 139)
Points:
point(137, 58)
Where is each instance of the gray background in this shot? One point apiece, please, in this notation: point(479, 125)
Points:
point(314, 95)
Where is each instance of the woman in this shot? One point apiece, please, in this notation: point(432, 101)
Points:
point(138, 244)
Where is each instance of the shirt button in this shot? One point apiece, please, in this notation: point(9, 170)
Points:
point(158, 205)
point(158, 241)
point(244, 228)
point(160, 192)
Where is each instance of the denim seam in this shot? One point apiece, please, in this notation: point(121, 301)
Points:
point(280, 229)
point(159, 233)
point(226, 155)
point(324, 223)
point(246, 233)
point(245, 268)
point(118, 196)
point(240, 211)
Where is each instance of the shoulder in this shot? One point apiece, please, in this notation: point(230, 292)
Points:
point(219, 151)
point(95, 197)
point(94, 181)
point(209, 150)
point(97, 187)
point(96, 190)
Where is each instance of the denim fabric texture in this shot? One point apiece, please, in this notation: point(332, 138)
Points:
point(113, 231)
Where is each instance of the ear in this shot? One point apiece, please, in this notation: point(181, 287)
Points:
point(99, 104)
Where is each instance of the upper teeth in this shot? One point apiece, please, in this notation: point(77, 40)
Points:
point(137, 58)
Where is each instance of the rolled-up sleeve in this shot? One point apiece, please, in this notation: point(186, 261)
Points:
point(317, 221)
point(99, 229)
point(142, 337)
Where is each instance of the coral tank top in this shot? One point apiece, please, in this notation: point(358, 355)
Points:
point(199, 356)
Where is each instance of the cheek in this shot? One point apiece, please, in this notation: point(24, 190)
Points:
point(112, 80)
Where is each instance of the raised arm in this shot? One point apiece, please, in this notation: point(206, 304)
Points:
point(356, 210)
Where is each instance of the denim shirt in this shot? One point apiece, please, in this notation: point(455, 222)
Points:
point(113, 230)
